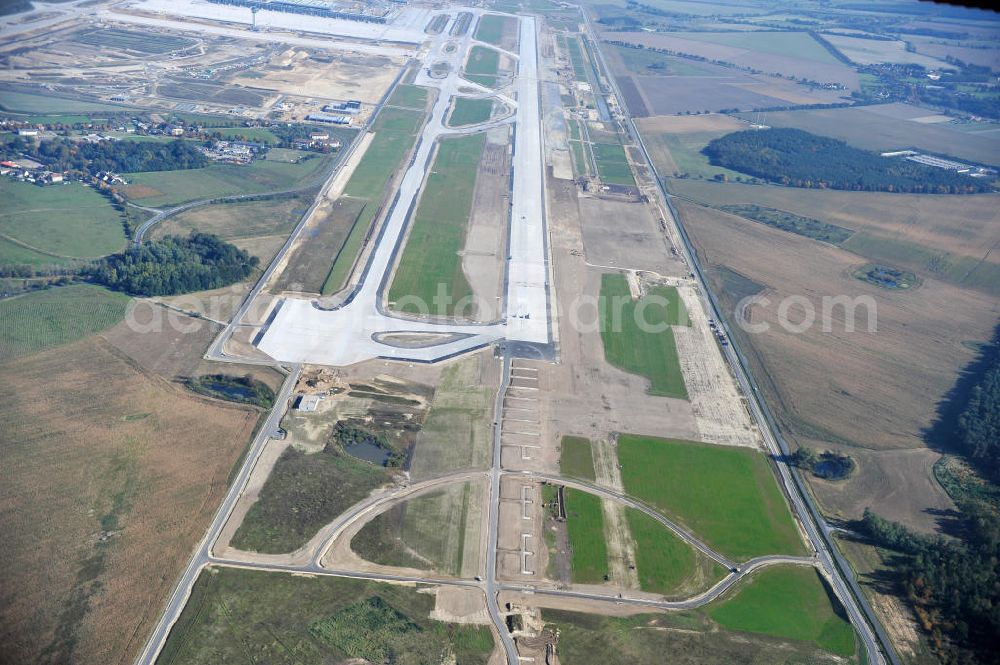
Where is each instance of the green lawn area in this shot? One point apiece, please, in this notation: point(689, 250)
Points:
point(245, 616)
point(430, 261)
point(585, 524)
point(25, 102)
point(167, 188)
point(409, 96)
point(798, 45)
point(665, 563)
point(395, 133)
point(727, 496)
point(483, 61)
point(58, 222)
point(791, 602)
point(254, 134)
point(576, 459)
point(45, 319)
point(490, 29)
point(612, 164)
point(488, 81)
point(303, 493)
point(649, 353)
point(470, 111)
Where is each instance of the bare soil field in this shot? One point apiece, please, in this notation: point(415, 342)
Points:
point(875, 390)
point(788, 65)
point(880, 128)
point(949, 238)
point(110, 475)
point(636, 242)
point(340, 76)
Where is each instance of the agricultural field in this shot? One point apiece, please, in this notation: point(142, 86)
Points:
point(629, 347)
point(304, 492)
point(890, 127)
point(54, 225)
point(468, 111)
point(167, 188)
point(114, 473)
point(293, 619)
point(238, 221)
point(926, 336)
point(576, 458)
point(430, 263)
point(869, 52)
point(45, 319)
point(437, 531)
point(652, 63)
point(791, 54)
point(585, 524)
point(675, 144)
point(395, 133)
point(456, 433)
point(788, 602)
point(727, 496)
point(32, 103)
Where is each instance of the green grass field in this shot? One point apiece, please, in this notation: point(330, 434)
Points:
point(585, 524)
point(649, 353)
point(612, 164)
point(798, 45)
point(685, 150)
point(409, 96)
point(726, 496)
point(25, 102)
point(664, 561)
point(490, 29)
point(576, 58)
point(57, 222)
point(168, 188)
point(45, 319)
point(482, 61)
point(789, 602)
point(243, 616)
point(652, 63)
point(470, 111)
point(430, 263)
point(303, 493)
point(576, 458)
point(255, 134)
point(580, 162)
point(395, 133)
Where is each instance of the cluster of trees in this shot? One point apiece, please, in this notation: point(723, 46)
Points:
point(244, 389)
point(174, 265)
point(953, 586)
point(800, 159)
point(979, 422)
point(119, 156)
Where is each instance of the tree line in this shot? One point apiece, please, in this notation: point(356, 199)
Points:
point(119, 156)
point(800, 159)
point(174, 265)
point(979, 423)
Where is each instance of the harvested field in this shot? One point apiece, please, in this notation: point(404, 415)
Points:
point(297, 619)
point(869, 52)
point(232, 221)
point(766, 53)
point(107, 489)
point(891, 127)
point(925, 337)
point(910, 231)
point(727, 496)
point(38, 321)
point(54, 225)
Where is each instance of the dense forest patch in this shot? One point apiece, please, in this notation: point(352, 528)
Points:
point(800, 159)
